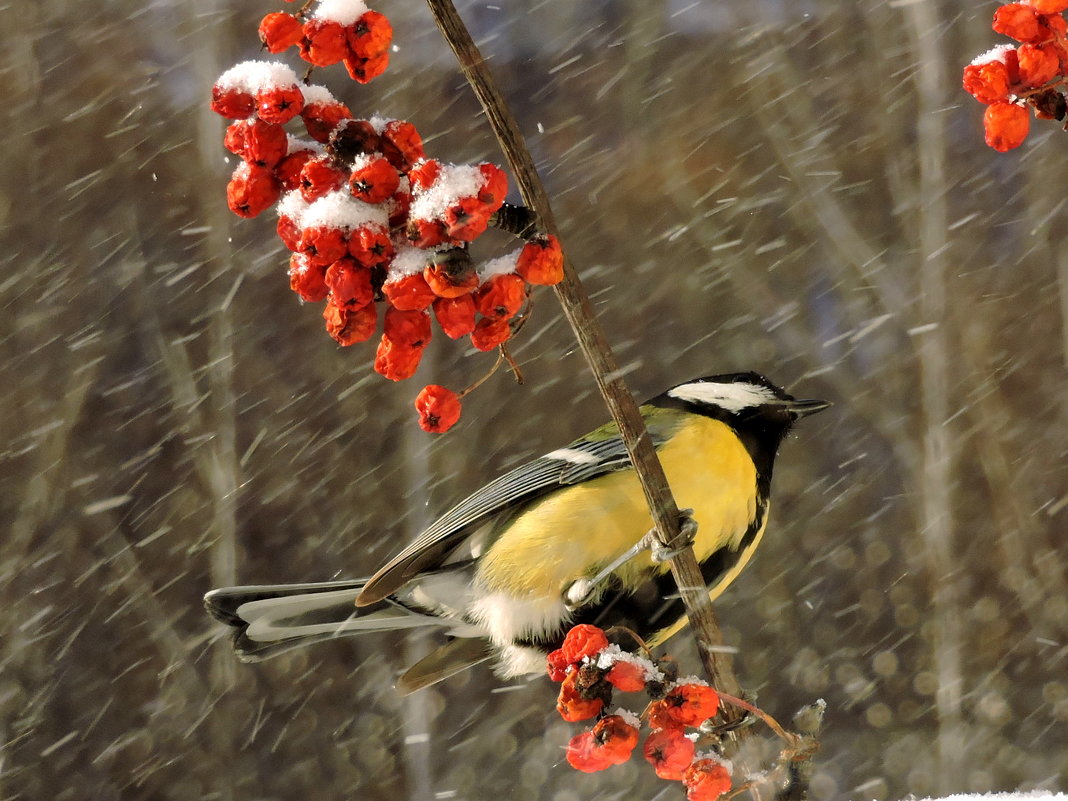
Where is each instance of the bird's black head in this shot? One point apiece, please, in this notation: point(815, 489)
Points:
point(760, 412)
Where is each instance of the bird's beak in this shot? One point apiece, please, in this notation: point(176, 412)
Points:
point(803, 408)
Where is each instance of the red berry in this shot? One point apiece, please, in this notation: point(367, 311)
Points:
point(371, 246)
point(659, 716)
point(670, 753)
point(324, 43)
point(626, 677)
point(423, 174)
point(353, 138)
point(584, 640)
point(466, 219)
point(501, 296)
point(1049, 6)
point(396, 362)
point(373, 179)
point(320, 119)
point(438, 407)
point(452, 275)
point(234, 138)
point(323, 244)
point(488, 334)
point(265, 144)
point(349, 283)
point(425, 234)
point(350, 325)
point(279, 104)
point(691, 704)
point(987, 82)
point(232, 102)
point(1038, 64)
point(570, 703)
point(289, 168)
point(456, 316)
point(289, 232)
point(279, 31)
point(398, 207)
point(541, 262)
point(556, 662)
point(494, 190)
point(320, 176)
point(409, 293)
point(1021, 22)
point(401, 144)
point(706, 780)
point(370, 35)
point(251, 190)
point(409, 329)
point(1006, 125)
point(307, 280)
point(585, 754)
point(617, 738)
point(365, 70)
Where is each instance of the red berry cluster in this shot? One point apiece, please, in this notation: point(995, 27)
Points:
point(1032, 74)
point(338, 31)
point(367, 216)
point(590, 670)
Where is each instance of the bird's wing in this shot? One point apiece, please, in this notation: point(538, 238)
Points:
point(599, 453)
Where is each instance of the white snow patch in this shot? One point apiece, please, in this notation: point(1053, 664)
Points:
point(613, 653)
point(454, 182)
point(502, 265)
point(380, 123)
point(690, 680)
point(407, 261)
point(339, 209)
point(257, 76)
point(344, 12)
point(296, 144)
point(993, 54)
point(628, 717)
point(293, 206)
point(317, 94)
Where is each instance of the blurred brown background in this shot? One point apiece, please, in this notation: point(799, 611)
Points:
point(799, 188)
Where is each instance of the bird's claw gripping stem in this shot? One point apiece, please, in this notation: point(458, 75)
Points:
point(581, 589)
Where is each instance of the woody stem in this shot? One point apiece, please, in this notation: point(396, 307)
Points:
point(579, 312)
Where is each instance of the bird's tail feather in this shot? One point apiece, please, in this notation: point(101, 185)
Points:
point(271, 619)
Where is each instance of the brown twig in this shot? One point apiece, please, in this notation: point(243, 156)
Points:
point(512, 364)
point(772, 724)
point(480, 381)
point(579, 312)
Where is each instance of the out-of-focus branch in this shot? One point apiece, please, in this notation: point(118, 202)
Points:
point(936, 527)
point(579, 312)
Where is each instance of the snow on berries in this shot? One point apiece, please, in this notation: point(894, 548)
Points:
point(1015, 80)
point(590, 670)
point(368, 218)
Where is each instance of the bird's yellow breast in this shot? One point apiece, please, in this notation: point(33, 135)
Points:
point(569, 534)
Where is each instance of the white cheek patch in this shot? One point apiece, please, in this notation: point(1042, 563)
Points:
point(732, 397)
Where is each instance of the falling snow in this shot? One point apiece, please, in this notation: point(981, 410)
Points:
point(797, 187)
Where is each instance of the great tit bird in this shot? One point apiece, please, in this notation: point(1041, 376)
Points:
point(507, 571)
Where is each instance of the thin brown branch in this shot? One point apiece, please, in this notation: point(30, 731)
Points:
point(579, 312)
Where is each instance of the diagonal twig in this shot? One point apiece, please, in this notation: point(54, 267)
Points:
point(579, 312)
